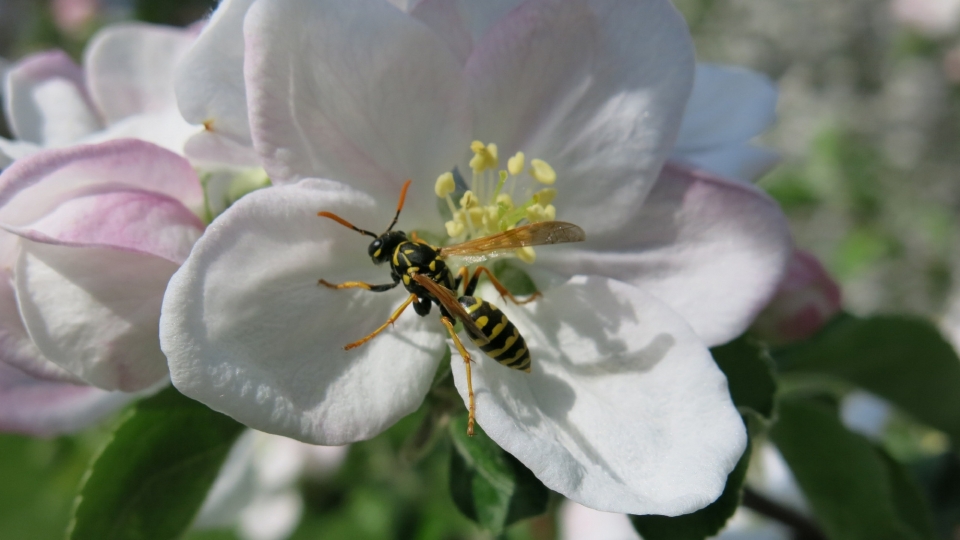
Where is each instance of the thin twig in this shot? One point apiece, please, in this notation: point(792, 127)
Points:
point(803, 527)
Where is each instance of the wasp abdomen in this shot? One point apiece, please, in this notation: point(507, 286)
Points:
point(505, 345)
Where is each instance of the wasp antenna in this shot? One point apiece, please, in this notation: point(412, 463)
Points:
point(403, 196)
point(345, 223)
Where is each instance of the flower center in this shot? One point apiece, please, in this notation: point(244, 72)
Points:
point(488, 207)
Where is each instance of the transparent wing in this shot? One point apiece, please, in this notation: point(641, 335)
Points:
point(449, 301)
point(534, 234)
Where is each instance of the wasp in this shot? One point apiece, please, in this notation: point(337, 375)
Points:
point(425, 275)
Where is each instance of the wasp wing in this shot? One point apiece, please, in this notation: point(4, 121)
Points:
point(503, 243)
point(449, 301)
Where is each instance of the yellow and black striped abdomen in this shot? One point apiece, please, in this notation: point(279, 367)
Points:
point(506, 345)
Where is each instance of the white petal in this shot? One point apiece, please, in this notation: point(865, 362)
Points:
point(624, 410)
point(728, 105)
point(95, 311)
point(16, 347)
point(213, 148)
point(209, 81)
point(44, 408)
point(461, 23)
point(597, 89)
point(577, 522)
point(130, 68)
point(737, 161)
point(248, 331)
point(357, 92)
point(165, 128)
point(714, 250)
point(46, 100)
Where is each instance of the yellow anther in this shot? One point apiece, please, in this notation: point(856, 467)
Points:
point(542, 172)
point(546, 196)
point(469, 200)
point(549, 213)
point(526, 254)
point(445, 185)
point(535, 213)
point(506, 200)
point(515, 164)
point(484, 157)
point(476, 214)
point(454, 228)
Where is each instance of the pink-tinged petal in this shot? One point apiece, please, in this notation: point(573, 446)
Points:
point(131, 220)
point(714, 250)
point(624, 409)
point(728, 105)
point(11, 151)
point(357, 92)
point(35, 185)
point(596, 89)
point(95, 311)
point(130, 68)
point(738, 161)
point(212, 147)
point(46, 101)
point(44, 408)
point(209, 81)
point(248, 331)
point(806, 299)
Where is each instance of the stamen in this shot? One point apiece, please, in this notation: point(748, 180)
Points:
point(542, 172)
point(445, 185)
point(515, 164)
point(526, 254)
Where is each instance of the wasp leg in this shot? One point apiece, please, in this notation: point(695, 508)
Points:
point(504, 293)
point(466, 361)
point(358, 285)
point(394, 317)
point(414, 237)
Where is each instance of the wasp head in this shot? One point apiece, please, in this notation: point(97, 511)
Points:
point(382, 248)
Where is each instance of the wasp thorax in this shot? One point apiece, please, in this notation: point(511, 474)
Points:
point(382, 248)
point(488, 207)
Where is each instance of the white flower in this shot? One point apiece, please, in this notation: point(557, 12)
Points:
point(624, 409)
point(123, 90)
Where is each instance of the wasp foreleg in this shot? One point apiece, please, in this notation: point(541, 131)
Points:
point(358, 285)
point(391, 320)
point(471, 286)
point(466, 361)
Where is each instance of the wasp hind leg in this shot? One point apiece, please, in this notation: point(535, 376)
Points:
point(474, 280)
point(391, 320)
point(472, 408)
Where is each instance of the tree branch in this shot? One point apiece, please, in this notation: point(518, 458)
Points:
point(803, 527)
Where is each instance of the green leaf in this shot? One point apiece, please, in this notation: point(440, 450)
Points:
point(704, 522)
point(515, 279)
point(903, 359)
point(489, 485)
point(748, 368)
point(152, 476)
point(848, 483)
point(908, 499)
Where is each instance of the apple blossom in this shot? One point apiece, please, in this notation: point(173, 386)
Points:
point(92, 234)
point(806, 299)
point(123, 90)
point(624, 409)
